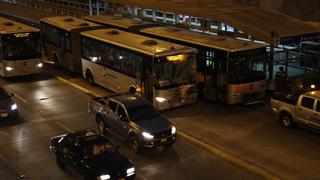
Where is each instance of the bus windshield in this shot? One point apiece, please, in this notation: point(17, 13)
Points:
point(243, 66)
point(175, 70)
point(21, 46)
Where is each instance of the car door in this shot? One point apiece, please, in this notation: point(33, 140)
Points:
point(111, 115)
point(305, 111)
point(122, 121)
point(316, 114)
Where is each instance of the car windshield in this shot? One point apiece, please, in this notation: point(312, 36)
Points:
point(98, 150)
point(4, 94)
point(175, 70)
point(141, 113)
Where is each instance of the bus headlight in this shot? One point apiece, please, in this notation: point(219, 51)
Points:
point(147, 135)
point(173, 130)
point(14, 107)
point(39, 65)
point(8, 68)
point(160, 99)
point(104, 177)
point(130, 171)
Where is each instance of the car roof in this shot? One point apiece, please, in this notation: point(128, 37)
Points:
point(314, 94)
point(131, 100)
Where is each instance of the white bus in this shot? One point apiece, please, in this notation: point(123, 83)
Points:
point(230, 70)
point(20, 52)
point(163, 72)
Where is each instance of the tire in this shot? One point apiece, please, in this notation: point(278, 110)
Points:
point(89, 77)
point(286, 120)
point(101, 126)
point(60, 163)
point(134, 144)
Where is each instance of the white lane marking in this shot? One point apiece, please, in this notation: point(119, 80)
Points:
point(20, 98)
point(64, 126)
point(83, 89)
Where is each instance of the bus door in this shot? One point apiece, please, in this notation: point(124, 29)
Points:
point(149, 83)
point(211, 75)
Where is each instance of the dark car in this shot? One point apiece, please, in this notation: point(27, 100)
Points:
point(93, 155)
point(134, 119)
point(8, 108)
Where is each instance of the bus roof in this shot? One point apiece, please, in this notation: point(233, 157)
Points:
point(8, 26)
point(210, 41)
point(118, 21)
point(68, 23)
point(135, 42)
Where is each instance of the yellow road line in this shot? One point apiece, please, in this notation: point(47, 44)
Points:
point(78, 86)
point(231, 158)
point(64, 126)
point(222, 154)
point(20, 98)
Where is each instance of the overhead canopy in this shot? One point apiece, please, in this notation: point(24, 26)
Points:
point(265, 25)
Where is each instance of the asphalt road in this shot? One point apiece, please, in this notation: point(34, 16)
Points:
point(49, 107)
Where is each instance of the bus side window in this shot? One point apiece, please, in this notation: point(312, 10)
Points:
point(1, 53)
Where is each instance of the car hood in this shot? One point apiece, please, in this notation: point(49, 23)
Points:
point(109, 164)
point(154, 125)
point(5, 103)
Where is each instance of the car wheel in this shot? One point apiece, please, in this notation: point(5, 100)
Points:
point(102, 127)
point(60, 163)
point(134, 144)
point(89, 77)
point(286, 120)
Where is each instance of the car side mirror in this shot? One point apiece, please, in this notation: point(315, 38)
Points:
point(123, 118)
point(11, 94)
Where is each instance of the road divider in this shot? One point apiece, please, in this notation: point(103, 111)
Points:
point(213, 150)
point(229, 157)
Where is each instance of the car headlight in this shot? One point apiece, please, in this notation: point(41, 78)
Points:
point(14, 106)
point(104, 177)
point(8, 68)
point(147, 135)
point(173, 130)
point(161, 99)
point(130, 171)
point(39, 65)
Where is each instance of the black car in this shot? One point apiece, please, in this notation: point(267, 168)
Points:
point(133, 119)
point(92, 155)
point(8, 108)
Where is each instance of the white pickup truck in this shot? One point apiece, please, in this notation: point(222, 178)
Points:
point(303, 109)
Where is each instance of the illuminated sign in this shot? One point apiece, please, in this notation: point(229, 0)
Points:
point(22, 35)
point(180, 57)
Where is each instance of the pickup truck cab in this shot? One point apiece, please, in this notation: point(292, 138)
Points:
point(133, 119)
point(303, 109)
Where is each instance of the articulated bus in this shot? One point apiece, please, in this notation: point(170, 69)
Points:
point(228, 68)
point(61, 40)
point(20, 52)
point(164, 72)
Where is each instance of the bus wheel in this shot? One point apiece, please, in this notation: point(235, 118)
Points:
point(89, 77)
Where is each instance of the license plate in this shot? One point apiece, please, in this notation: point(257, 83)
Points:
point(4, 115)
point(163, 140)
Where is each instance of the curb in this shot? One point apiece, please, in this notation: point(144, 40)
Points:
point(229, 157)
